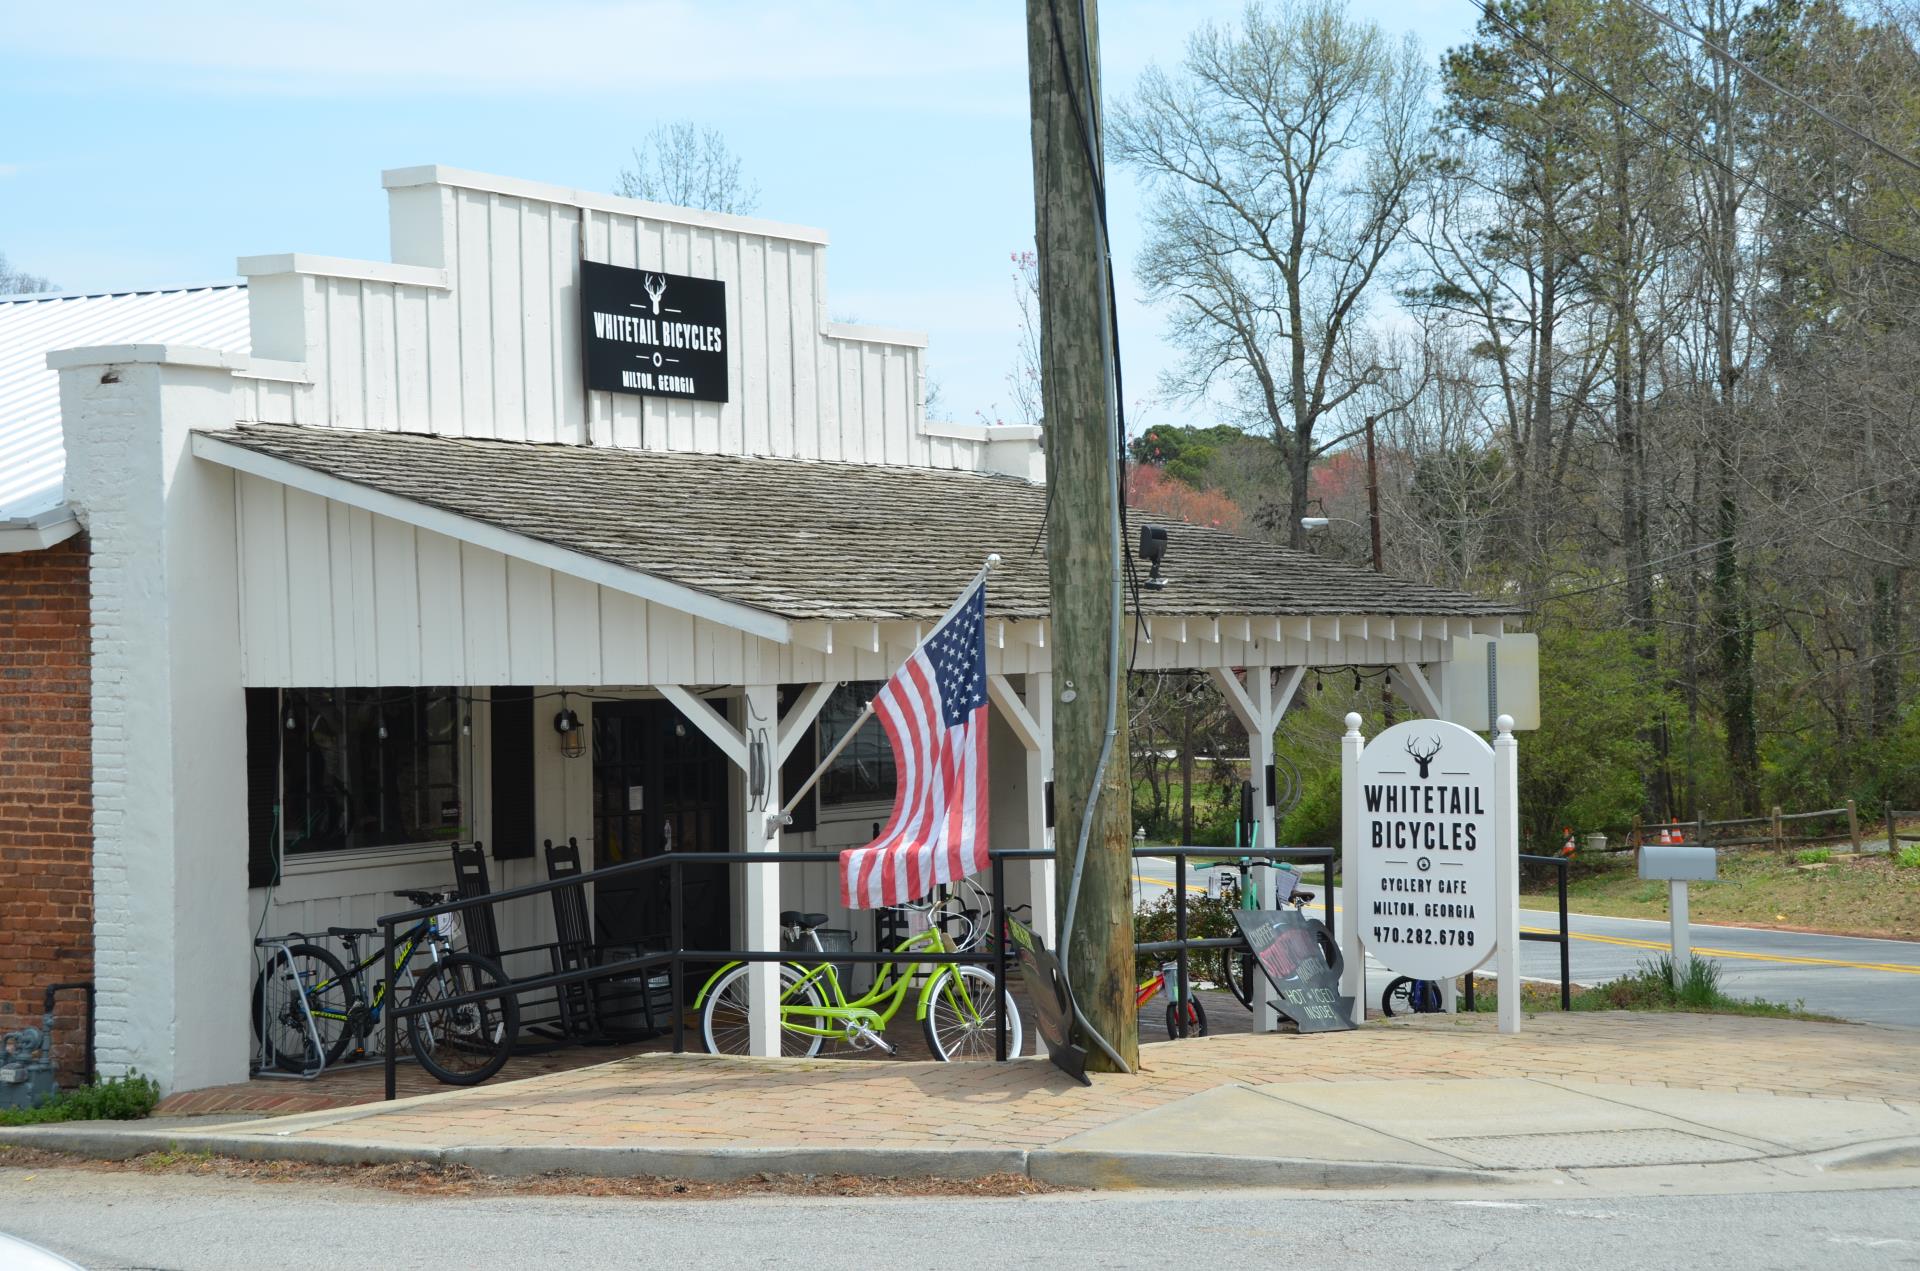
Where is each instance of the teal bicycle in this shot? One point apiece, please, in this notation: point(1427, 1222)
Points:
point(308, 1007)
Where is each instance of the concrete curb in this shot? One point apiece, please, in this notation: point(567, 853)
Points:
point(1055, 1166)
point(1095, 1169)
point(1884, 1154)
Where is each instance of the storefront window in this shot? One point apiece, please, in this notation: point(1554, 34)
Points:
point(863, 772)
point(371, 767)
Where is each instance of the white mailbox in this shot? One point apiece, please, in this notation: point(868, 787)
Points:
point(1679, 862)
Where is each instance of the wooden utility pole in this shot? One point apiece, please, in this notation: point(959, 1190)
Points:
point(1077, 392)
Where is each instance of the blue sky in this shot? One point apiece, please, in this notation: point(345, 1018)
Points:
point(154, 144)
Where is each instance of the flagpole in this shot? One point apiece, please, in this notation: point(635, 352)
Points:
point(785, 816)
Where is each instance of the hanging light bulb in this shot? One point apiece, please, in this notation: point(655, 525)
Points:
point(383, 728)
point(290, 723)
point(1316, 681)
point(1356, 680)
point(466, 725)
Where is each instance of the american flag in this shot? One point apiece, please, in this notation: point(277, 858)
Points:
point(935, 712)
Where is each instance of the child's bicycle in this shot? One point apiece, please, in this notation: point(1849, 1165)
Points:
point(461, 1045)
point(1184, 1018)
point(955, 1006)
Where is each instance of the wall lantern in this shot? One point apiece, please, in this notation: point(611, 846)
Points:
point(573, 738)
point(1153, 547)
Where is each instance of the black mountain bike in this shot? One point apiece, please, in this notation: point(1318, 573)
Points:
point(1408, 996)
point(462, 1044)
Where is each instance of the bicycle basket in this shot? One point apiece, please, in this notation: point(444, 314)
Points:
point(832, 940)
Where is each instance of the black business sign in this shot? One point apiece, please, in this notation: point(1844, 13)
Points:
point(652, 333)
point(1302, 963)
point(1052, 1001)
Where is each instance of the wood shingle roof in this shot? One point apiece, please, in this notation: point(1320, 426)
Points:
point(811, 540)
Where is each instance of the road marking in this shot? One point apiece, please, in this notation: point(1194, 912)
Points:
point(1741, 954)
point(1895, 968)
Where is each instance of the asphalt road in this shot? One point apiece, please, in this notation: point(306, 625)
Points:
point(1868, 981)
point(118, 1220)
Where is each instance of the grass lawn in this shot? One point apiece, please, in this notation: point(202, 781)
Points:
point(1650, 988)
point(1846, 895)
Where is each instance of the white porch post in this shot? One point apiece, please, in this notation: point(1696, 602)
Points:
point(762, 914)
point(1031, 718)
point(1259, 709)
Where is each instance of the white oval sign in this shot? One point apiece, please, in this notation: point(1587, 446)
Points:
point(1426, 849)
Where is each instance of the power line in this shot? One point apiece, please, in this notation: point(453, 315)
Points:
point(1791, 96)
point(1752, 182)
point(1764, 541)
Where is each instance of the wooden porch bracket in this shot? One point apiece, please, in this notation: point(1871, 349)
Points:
point(1411, 683)
point(1024, 726)
point(709, 721)
point(800, 716)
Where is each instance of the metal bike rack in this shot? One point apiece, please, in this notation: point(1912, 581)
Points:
point(278, 951)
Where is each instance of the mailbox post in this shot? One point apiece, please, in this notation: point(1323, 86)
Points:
point(1678, 864)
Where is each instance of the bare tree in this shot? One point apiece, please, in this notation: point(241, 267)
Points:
point(17, 282)
point(688, 166)
point(1279, 162)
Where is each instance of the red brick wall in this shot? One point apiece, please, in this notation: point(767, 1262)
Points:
point(46, 804)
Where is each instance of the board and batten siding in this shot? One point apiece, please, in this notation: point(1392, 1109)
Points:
point(474, 330)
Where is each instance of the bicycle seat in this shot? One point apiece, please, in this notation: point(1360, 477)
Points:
point(350, 933)
point(1302, 895)
point(806, 922)
point(420, 899)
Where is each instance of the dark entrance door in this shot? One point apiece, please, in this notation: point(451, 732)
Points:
point(659, 785)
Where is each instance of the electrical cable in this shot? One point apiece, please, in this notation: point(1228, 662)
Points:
point(1726, 56)
point(1801, 210)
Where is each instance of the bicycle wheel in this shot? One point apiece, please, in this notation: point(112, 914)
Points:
point(1236, 975)
point(723, 1021)
point(279, 1021)
point(1410, 997)
point(463, 1045)
point(959, 1021)
point(1186, 1019)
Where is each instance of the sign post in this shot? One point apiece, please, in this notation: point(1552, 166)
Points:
point(1430, 843)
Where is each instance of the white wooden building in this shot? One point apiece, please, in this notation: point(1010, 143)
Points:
point(343, 583)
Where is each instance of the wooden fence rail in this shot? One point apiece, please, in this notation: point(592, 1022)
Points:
point(1777, 822)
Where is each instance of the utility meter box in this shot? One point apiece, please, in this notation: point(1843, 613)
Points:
point(1679, 863)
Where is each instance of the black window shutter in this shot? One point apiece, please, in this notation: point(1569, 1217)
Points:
point(799, 767)
point(263, 783)
point(513, 828)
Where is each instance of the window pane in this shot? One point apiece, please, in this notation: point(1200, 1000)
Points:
point(863, 772)
point(372, 767)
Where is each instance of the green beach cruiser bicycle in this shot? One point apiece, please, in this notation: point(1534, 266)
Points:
point(308, 1008)
point(955, 1004)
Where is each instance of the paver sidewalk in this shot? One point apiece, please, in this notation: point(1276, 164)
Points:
point(1432, 1093)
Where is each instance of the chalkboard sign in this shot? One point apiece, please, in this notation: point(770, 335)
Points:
point(1052, 1001)
point(652, 333)
point(1302, 962)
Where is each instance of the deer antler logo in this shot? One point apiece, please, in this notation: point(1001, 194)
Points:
point(656, 287)
point(1433, 748)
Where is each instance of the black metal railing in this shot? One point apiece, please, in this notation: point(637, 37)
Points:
point(1564, 939)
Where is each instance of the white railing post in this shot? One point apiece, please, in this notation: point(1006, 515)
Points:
point(1353, 977)
point(1506, 877)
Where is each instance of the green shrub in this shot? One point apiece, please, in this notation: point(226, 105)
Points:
point(1814, 855)
point(1208, 918)
point(127, 1098)
point(1908, 857)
